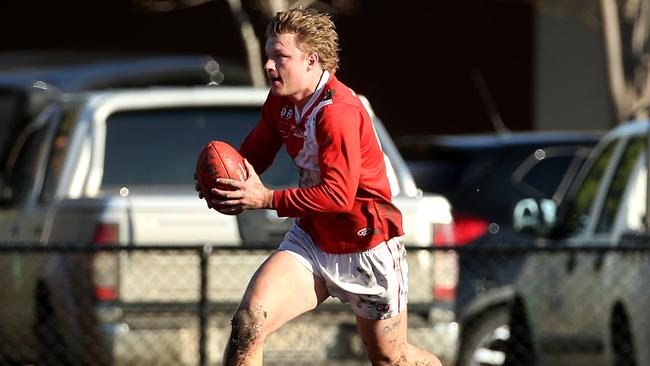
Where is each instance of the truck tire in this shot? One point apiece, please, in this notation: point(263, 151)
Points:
point(484, 340)
point(53, 350)
point(622, 340)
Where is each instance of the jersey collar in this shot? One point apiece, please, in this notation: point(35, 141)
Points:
point(314, 97)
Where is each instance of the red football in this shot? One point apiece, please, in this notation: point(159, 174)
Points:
point(218, 159)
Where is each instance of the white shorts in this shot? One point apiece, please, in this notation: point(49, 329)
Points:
point(374, 282)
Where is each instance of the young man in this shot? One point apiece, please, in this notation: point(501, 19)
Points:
point(345, 242)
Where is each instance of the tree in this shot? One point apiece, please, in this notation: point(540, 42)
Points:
point(626, 30)
point(246, 29)
point(625, 27)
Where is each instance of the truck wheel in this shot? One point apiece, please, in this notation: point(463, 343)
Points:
point(484, 340)
point(622, 340)
point(53, 350)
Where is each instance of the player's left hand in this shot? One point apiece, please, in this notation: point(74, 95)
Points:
point(248, 195)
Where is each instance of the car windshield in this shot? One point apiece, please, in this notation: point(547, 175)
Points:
point(442, 169)
point(158, 148)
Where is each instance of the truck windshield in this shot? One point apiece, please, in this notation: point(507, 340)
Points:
point(158, 148)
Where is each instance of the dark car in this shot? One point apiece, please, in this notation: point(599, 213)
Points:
point(483, 177)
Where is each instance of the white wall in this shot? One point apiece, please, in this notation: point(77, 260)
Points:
point(570, 83)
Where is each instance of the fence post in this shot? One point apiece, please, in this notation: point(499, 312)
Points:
point(203, 304)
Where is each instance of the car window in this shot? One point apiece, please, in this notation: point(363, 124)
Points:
point(56, 155)
point(578, 213)
point(541, 173)
point(634, 214)
point(20, 170)
point(618, 184)
point(159, 147)
point(437, 169)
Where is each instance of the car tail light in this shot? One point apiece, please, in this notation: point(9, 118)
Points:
point(445, 263)
point(444, 293)
point(106, 234)
point(105, 263)
point(462, 231)
point(468, 227)
point(443, 234)
point(445, 275)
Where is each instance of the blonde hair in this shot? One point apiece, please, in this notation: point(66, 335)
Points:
point(315, 33)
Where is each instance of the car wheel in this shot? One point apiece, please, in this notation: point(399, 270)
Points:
point(519, 347)
point(53, 350)
point(484, 340)
point(622, 341)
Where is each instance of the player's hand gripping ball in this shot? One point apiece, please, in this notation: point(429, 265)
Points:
point(218, 159)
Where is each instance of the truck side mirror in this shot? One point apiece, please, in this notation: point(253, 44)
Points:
point(534, 216)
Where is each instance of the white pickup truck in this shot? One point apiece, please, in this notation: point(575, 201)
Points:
point(115, 167)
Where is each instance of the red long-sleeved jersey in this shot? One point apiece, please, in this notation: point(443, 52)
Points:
point(344, 199)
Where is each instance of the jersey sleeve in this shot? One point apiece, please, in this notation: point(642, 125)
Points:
point(339, 157)
point(263, 143)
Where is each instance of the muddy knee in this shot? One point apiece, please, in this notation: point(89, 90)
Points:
point(246, 327)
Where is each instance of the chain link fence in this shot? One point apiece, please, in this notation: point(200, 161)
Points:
point(155, 305)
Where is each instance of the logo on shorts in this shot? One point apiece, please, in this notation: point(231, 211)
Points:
point(365, 231)
point(382, 308)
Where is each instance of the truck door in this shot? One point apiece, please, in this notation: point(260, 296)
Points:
point(22, 177)
point(571, 294)
point(587, 293)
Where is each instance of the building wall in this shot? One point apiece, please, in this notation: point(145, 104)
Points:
point(571, 87)
point(416, 61)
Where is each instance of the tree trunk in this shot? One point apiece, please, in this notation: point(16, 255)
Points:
point(251, 43)
point(626, 25)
